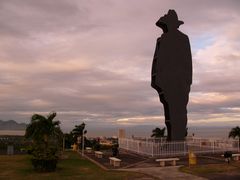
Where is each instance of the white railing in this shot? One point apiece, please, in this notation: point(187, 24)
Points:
point(160, 147)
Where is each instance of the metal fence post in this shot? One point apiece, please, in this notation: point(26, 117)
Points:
point(213, 144)
point(152, 149)
point(184, 146)
point(238, 143)
point(138, 146)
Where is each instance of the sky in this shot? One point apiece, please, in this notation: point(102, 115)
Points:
point(90, 60)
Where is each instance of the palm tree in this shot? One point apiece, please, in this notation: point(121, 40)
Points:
point(78, 131)
point(235, 133)
point(158, 132)
point(43, 129)
point(46, 136)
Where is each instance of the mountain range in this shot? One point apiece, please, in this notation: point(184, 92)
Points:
point(12, 125)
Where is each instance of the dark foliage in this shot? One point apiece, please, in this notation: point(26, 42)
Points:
point(115, 150)
point(46, 137)
point(158, 132)
point(78, 132)
point(235, 133)
point(69, 140)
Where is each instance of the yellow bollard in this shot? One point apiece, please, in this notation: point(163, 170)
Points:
point(74, 146)
point(192, 158)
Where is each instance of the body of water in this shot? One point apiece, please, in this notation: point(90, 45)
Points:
point(12, 132)
point(146, 131)
point(142, 131)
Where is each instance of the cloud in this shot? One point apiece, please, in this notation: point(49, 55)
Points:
point(91, 60)
point(140, 120)
point(39, 103)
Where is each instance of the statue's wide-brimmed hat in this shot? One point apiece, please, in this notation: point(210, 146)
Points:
point(170, 18)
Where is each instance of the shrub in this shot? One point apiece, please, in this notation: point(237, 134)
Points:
point(105, 147)
point(115, 150)
point(97, 147)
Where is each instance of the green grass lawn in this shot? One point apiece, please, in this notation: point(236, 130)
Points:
point(72, 167)
point(211, 170)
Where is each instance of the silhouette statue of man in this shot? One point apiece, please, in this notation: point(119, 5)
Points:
point(172, 74)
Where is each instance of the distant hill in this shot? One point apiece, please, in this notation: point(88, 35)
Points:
point(12, 125)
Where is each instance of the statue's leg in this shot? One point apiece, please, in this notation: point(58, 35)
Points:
point(178, 112)
point(166, 114)
point(165, 105)
point(169, 130)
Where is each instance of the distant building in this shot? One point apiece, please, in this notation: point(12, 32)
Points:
point(121, 133)
point(105, 142)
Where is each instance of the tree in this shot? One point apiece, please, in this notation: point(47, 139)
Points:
point(68, 140)
point(158, 132)
point(235, 133)
point(46, 137)
point(77, 132)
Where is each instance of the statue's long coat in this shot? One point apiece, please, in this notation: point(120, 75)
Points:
point(172, 63)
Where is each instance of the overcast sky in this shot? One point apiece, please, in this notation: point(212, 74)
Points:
point(90, 60)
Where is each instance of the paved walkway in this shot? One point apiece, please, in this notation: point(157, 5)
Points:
point(165, 173)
